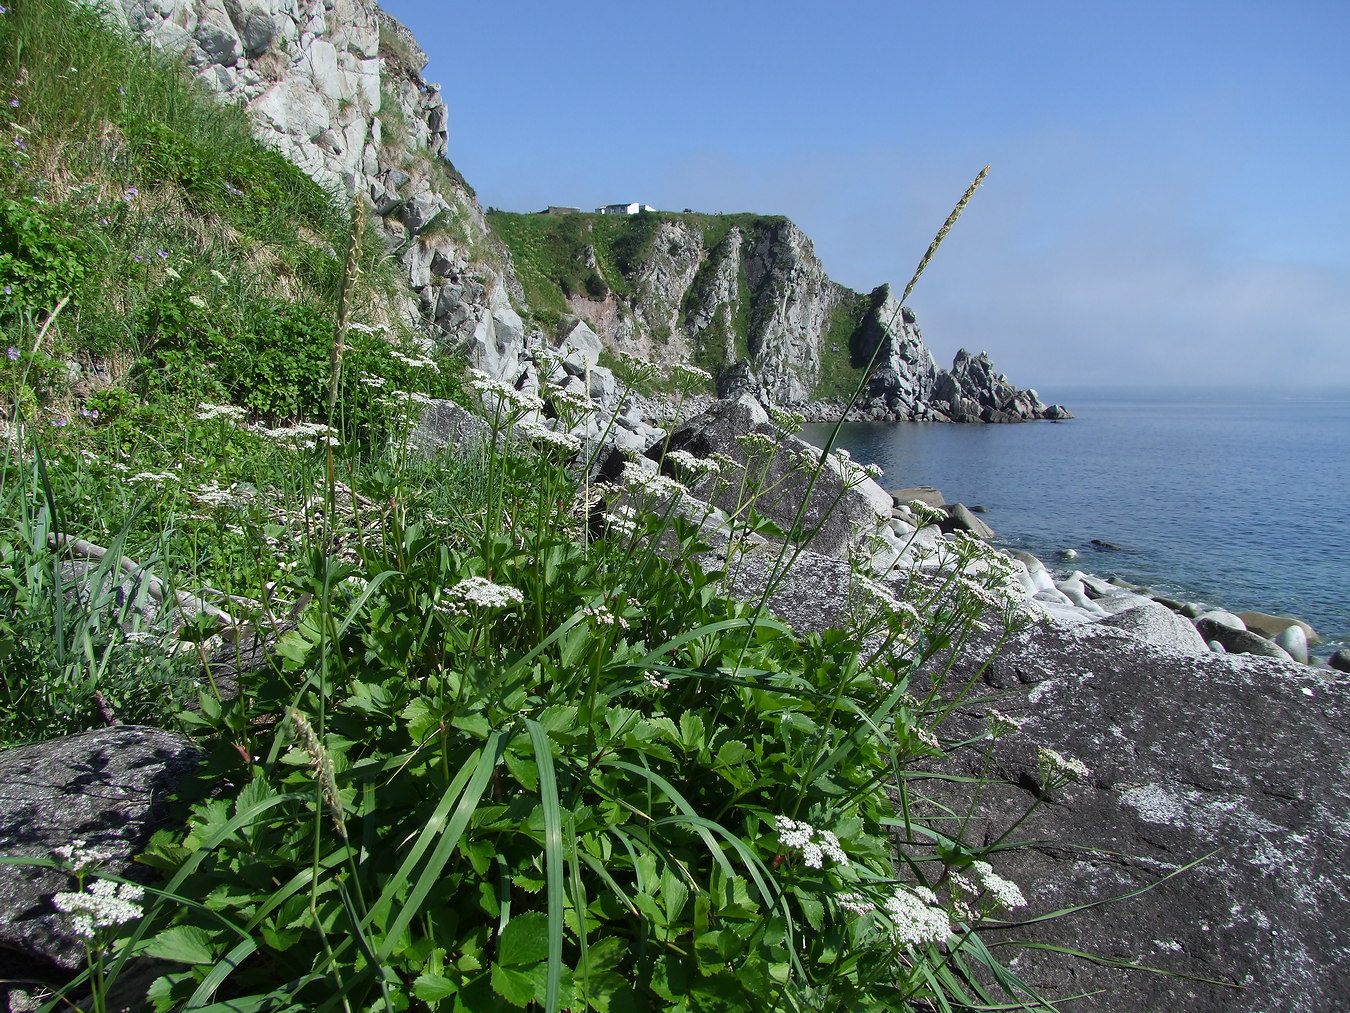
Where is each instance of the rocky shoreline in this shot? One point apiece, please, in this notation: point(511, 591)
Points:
point(1075, 596)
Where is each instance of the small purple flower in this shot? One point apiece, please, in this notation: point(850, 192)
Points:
point(13, 353)
point(103, 221)
point(8, 290)
point(131, 193)
point(138, 258)
point(88, 413)
point(121, 90)
point(18, 143)
point(14, 103)
point(59, 423)
point(162, 254)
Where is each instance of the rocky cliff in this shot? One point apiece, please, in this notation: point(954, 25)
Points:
point(745, 297)
point(336, 86)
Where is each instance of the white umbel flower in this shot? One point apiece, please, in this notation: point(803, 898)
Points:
point(103, 904)
point(914, 920)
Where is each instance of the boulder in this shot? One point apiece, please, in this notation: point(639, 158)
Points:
point(1238, 641)
point(1340, 660)
point(1221, 618)
point(923, 493)
point(1160, 626)
point(844, 509)
point(1294, 642)
point(109, 788)
point(1235, 763)
point(960, 518)
point(1271, 626)
point(1188, 752)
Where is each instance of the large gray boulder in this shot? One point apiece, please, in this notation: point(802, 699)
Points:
point(844, 510)
point(1160, 626)
point(109, 788)
point(1238, 763)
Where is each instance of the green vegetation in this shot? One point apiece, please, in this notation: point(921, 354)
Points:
point(839, 375)
point(508, 753)
point(591, 255)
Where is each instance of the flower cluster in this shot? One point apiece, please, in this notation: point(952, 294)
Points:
point(687, 464)
point(542, 434)
point(1001, 724)
point(651, 483)
point(1055, 767)
point(206, 412)
point(303, 435)
point(815, 845)
point(1004, 892)
point(417, 362)
point(103, 904)
point(915, 918)
point(477, 593)
point(503, 393)
point(758, 443)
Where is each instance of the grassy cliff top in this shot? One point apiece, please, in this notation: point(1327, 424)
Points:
point(550, 251)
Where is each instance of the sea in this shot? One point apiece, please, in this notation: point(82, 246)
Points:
point(1235, 499)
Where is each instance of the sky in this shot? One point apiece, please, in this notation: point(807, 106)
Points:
point(1166, 203)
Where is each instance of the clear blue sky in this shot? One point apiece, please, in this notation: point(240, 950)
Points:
point(1167, 203)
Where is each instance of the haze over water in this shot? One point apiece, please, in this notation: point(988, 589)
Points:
point(1232, 499)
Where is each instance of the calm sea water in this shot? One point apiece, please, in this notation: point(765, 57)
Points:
point(1231, 499)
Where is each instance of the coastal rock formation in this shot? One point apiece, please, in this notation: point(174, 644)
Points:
point(108, 789)
point(746, 297)
point(336, 87)
point(1236, 763)
point(1217, 787)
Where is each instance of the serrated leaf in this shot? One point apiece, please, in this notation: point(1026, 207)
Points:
point(421, 717)
point(693, 734)
point(183, 944)
point(519, 987)
point(434, 988)
point(524, 940)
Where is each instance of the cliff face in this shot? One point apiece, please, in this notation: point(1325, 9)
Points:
point(336, 87)
point(745, 297)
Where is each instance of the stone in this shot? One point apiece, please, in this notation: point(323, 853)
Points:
point(1070, 554)
point(444, 424)
point(109, 788)
point(1221, 618)
point(257, 29)
point(1340, 660)
point(1160, 626)
point(1239, 641)
point(840, 515)
point(1270, 626)
point(923, 493)
point(219, 45)
point(1224, 760)
point(581, 346)
point(1293, 641)
point(959, 518)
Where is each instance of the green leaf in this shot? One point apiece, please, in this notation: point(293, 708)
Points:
point(434, 988)
point(524, 940)
point(185, 944)
point(519, 987)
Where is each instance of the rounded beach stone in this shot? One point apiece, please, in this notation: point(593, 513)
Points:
point(1220, 618)
point(1294, 641)
point(1271, 626)
point(1340, 660)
